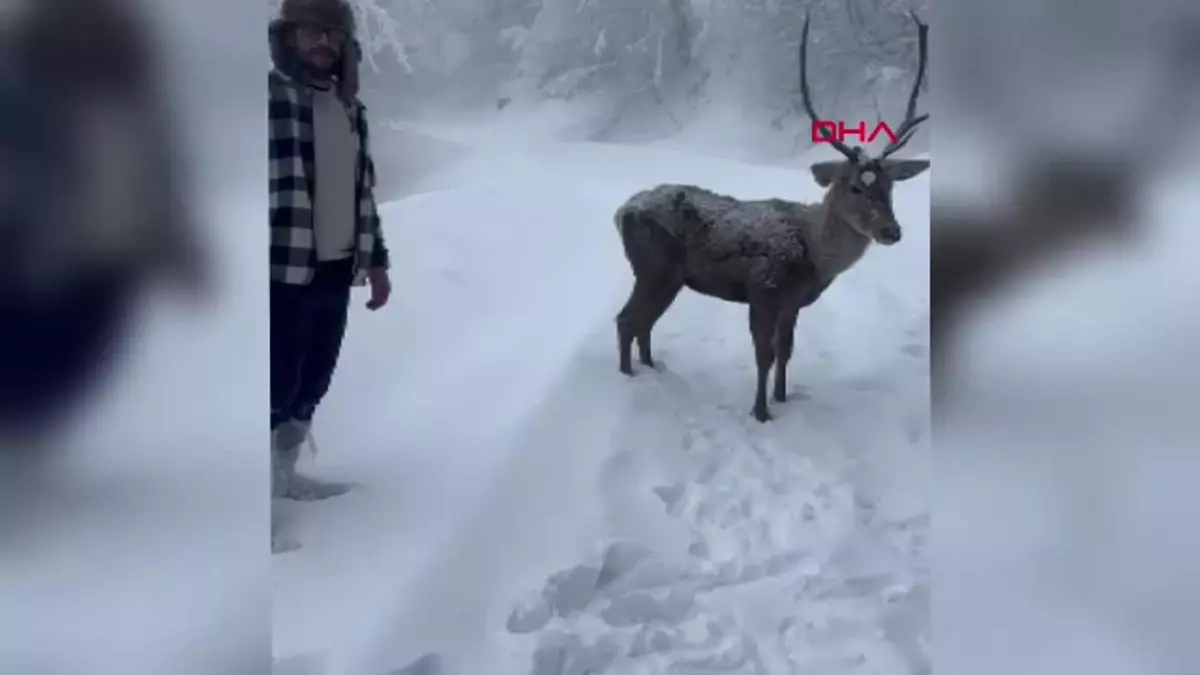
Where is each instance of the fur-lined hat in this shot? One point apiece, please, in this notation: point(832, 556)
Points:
point(331, 14)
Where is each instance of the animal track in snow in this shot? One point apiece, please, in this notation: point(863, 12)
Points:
point(773, 538)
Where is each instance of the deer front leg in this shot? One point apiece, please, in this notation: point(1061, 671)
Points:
point(785, 340)
point(665, 293)
point(762, 330)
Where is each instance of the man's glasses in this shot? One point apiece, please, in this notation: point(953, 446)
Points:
point(315, 32)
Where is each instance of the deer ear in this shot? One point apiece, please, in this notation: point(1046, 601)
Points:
point(825, 172)
point(904, 169)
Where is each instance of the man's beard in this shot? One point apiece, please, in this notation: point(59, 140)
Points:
point(321, 72)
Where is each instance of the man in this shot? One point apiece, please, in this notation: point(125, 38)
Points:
point(325, 234)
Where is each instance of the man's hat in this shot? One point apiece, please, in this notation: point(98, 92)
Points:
point(333, 14)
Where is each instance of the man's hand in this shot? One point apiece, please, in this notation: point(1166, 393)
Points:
point(381, 287)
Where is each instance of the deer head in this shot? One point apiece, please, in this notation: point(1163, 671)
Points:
point(860, 186)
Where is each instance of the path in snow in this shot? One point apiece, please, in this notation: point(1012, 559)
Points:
point(524, 508)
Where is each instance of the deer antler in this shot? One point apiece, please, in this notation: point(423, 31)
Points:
point(854, 154)
point(908, 128)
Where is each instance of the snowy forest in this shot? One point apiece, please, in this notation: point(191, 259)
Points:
point(640, 64)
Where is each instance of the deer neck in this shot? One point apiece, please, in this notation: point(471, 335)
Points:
point(835, 244)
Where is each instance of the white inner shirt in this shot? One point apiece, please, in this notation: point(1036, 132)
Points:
point(336, 149)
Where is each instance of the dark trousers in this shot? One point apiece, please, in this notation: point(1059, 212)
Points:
point(307, 325)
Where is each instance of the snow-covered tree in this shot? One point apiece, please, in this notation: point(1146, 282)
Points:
point(380, 32)
point(615, 47)
point(862, 54)
point(669, 54)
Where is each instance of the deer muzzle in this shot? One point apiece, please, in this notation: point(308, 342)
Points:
point(889, 235)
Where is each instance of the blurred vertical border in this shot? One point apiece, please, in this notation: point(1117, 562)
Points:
point(1065, 325)
point(133, 334)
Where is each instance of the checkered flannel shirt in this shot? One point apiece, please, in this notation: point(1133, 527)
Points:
point(291, 155)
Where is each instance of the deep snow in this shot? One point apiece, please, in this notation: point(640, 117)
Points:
point(521, 507)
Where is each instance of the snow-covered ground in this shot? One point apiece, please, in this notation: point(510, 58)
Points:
point(521, 507)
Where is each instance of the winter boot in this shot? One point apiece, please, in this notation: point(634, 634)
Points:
point(281, 541)
point(286, 483)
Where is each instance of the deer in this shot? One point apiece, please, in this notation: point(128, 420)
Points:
point(774, 255)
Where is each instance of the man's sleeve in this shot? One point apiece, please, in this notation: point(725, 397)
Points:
point(379, 254)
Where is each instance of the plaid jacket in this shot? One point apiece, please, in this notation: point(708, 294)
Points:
point(291, 154)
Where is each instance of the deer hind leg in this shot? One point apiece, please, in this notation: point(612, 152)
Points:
point(631, 318)
point(785, 341)
point(664, 293)
point(763, 319)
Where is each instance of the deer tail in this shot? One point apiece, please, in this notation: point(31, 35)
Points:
point(648, 244)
